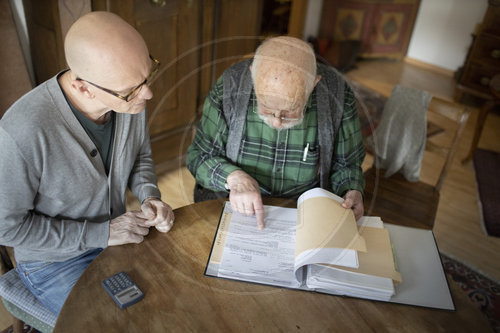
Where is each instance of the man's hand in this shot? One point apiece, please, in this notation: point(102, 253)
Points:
point(245, 196)
point(158, 214)
point(354, 200)
point(127, 228)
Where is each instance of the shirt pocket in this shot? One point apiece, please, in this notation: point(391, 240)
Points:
point(308, 169)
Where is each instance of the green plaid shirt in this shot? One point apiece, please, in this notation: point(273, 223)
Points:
point(278, 160)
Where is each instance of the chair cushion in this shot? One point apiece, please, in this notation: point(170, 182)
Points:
point(13, 290)
point(37, 325)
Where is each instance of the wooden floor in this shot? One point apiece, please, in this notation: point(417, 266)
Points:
point(457, 227)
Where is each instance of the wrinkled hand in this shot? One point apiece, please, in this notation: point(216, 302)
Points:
point(127, 228)
point(158, 214)
point(245, 196)
point(353, 199)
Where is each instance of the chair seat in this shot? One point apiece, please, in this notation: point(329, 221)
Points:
point(25, 305)
point(398, 201)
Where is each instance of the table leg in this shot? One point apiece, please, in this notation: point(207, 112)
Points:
point(483, 113)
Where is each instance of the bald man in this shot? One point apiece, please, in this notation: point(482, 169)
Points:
point(68, 151)
point(278, 125)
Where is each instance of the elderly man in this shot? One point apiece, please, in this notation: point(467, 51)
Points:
point(68, 151)
point(278, 126)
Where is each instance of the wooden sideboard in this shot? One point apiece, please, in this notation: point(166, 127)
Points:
point(480, 75)
point(483, 59)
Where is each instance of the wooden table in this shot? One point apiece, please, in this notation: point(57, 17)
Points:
point(169, 269)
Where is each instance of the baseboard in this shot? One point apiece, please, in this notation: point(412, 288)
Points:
point(429, 67)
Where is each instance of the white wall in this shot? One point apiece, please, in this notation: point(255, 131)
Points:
point(313, 19)
point(442, 32)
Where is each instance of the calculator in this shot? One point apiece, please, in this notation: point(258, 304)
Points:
point(122, 290)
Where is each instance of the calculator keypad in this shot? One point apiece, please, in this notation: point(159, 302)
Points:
point(122, 289)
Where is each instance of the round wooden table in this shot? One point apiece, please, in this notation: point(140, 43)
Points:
point(169, 268)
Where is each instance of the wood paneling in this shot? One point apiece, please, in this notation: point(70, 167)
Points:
point(14, 78)
point(172, 31)
point(194, 40)
point(237, 32)
point(297, 18)
point(46, 40)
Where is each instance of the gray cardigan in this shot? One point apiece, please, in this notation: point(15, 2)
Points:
point(55, 198)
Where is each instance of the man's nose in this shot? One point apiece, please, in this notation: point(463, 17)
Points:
point(146, 92)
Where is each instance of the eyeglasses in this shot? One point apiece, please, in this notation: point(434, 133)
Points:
point(272, 115)
point(155, 66)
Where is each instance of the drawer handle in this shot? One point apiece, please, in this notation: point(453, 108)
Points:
point(159, 3)
point(495, 54)
point(485, 81)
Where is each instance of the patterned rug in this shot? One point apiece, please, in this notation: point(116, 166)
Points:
point(370, 105)
point(482, 291)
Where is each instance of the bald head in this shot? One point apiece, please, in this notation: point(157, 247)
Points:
point(284, 66)
point(102, 48)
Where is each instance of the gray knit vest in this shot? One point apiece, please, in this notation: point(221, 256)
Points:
point(237, 88)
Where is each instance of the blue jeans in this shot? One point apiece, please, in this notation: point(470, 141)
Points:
point(51, 282)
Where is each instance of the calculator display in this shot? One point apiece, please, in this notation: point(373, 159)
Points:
point(128, 295)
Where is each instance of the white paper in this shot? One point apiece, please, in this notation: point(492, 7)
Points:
point(318, 193)
point(263, 256)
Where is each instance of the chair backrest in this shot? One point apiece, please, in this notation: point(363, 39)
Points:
point(452, 117)
point(445, 124)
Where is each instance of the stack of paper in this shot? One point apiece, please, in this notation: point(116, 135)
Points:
point(376, 274)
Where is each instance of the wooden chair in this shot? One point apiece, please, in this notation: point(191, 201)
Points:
point(19, 301)
point(5, 266)
point(395, 199)
point(492, 101)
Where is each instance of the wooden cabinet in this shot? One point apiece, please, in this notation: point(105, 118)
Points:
point(195, 40)
point(171, 30)
point(14, 77)
point(383, 27)
point(46, 39)
point(483, 59)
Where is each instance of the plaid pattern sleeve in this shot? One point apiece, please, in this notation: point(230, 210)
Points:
point(349, 151)
point(206, 156)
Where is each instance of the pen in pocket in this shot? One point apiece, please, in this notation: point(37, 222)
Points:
point(306, 150)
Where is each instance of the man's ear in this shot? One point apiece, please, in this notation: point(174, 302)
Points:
point(82, 88)
point(316, 80)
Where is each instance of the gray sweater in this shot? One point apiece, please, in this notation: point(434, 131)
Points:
point(55, 198)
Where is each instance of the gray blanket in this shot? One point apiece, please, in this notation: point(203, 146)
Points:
point(399, 140)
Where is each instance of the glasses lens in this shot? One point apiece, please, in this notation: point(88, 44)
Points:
point(154, 70)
